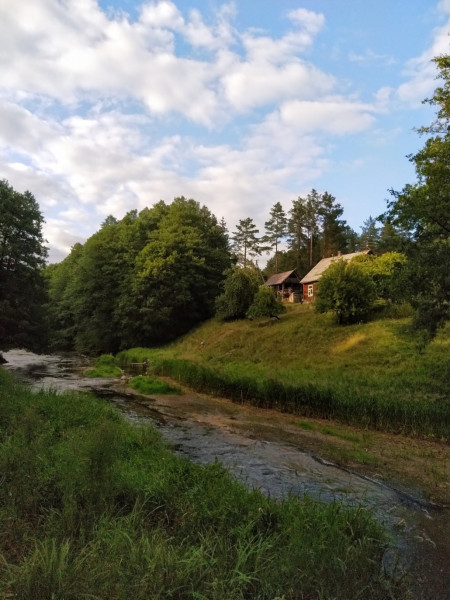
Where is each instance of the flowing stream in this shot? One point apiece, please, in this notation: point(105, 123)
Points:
point(207, 429)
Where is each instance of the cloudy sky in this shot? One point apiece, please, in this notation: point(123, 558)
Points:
point(111, 105)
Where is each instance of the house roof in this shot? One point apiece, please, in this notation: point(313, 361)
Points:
point(279, 278)
point(316, 272)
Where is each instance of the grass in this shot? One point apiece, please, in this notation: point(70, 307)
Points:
point(91, 507)
point(374, 375)
point(147, 385)
point(105, 366)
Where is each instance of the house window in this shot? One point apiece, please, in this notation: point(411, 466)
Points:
point(310, 290)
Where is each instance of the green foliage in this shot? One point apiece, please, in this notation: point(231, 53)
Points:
point(143, 280)
point(276, 230)
point(423, 211)
point(347, 291)
point(265, 304)
point(147, 385)
point(388, 273)
point(105, 366)
point(384, 412)
point(316, 230)
point(246, 242)
point(22, 258)
point(240, 287)
point(92, 507)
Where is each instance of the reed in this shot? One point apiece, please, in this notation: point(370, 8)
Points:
point(413, 416)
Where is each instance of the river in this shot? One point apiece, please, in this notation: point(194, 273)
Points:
point(206, 429)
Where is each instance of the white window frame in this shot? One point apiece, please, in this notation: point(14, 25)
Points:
point(310, 290)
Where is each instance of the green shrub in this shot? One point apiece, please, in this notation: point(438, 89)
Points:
point(105, 366)
point(146, 385)
point(346, 290)
point(265, 304)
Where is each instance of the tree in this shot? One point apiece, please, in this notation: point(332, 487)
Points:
point(22, 258)
point(387, 272)
point(265, 304)
point(297, 235)
point(240, 287)
point(333, 238)
point(423, 210)
point(276, 229)
point(143, 280)
point(177, 275)
point(347, 291)
point(312, 221)
point(245, 240)
point(370, 235)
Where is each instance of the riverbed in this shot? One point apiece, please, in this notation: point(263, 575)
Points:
point(268, 457)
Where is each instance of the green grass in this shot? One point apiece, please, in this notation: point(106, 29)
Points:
point(93, 508)
point(374, 375)
point(105, 366)
point(146, 385)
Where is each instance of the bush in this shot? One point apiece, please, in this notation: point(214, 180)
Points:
point(241, 286)
point(144, 384)
point(105, 366)
point(347, 291)
point(265, 304)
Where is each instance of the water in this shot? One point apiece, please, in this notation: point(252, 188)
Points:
point(207, 429)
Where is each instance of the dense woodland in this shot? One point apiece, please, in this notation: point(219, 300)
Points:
point(153, 275)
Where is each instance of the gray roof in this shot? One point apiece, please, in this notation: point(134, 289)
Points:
point(279, 278)
point(316, 272)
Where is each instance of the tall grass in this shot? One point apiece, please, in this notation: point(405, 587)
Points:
point(413, 416)
point(373, 375)
point(92, 508)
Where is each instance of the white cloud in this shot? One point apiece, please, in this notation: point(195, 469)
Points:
point(95, 110)
point(334, 115)
point(421, 71)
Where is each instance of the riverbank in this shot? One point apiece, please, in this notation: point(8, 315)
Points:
point(372, 375)
point(417, 467)
point(93, 506)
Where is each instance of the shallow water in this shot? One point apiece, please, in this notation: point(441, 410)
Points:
point(205, 429)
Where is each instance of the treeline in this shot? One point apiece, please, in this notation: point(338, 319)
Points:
point(312, 229)
point(143, 280)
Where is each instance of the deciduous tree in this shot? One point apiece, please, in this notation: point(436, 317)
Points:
point(423, 209)
point(22, 258)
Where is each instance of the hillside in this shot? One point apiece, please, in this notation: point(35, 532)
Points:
point(373, 374)
point(379, 356)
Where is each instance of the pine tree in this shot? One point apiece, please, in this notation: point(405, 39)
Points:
point(276, 229)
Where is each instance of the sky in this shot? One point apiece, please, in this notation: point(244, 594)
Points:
point(112, 105)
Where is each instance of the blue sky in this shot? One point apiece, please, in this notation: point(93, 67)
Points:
point(111, 105)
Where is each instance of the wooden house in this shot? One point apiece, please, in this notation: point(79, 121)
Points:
point(286, 285)
point(310, 281)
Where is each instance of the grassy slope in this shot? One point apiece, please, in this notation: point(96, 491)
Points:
point(378, 356)
point(371, 374)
